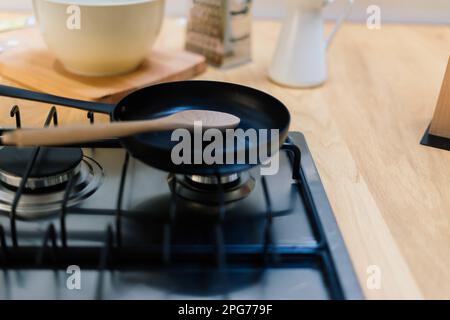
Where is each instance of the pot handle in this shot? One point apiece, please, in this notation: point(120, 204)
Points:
point(13, 92)
point(339, 23)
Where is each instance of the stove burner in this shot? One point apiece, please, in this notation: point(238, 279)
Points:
point(49, 201)
point(206, 189)
point(53, 167)
point(213, 180)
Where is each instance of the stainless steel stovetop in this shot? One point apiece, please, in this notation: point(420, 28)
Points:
point(132, 237)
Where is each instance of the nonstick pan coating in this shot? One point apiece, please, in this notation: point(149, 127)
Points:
point(256, 109)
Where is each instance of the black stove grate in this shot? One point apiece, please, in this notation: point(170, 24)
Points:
point(114, 255)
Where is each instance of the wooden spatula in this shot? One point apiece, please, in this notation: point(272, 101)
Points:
point(55, 136)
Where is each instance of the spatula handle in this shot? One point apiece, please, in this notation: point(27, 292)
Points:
point(56, 136)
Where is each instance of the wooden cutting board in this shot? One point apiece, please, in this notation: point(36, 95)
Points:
point(31, 64)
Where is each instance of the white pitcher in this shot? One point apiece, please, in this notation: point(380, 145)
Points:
point(300, 59)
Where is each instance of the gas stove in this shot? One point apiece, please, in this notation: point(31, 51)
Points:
point(135, 232)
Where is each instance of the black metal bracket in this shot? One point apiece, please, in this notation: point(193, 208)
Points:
point(293, 151)
point(433, 141)
point(218, 231)
point(4, 248)
point(50, 235)
point(15, 113)
point(268, 232)
point(52, 116)
point(91, 117)
point(120, 200)
point(63, 214)
point(168, 224)
point(104, 261)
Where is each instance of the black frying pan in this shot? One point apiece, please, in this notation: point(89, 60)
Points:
point(256, 109)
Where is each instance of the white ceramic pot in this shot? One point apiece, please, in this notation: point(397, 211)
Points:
point(99, 37)
point(300, 57)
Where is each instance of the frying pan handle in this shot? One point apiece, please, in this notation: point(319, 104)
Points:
point(12, 92)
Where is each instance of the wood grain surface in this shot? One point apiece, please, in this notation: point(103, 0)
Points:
point(31, 64)
point(440, 124)
point(390, 195)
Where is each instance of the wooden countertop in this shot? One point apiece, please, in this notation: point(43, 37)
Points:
point(390, 195)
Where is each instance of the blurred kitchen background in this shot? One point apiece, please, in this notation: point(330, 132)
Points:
point(422, 11)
